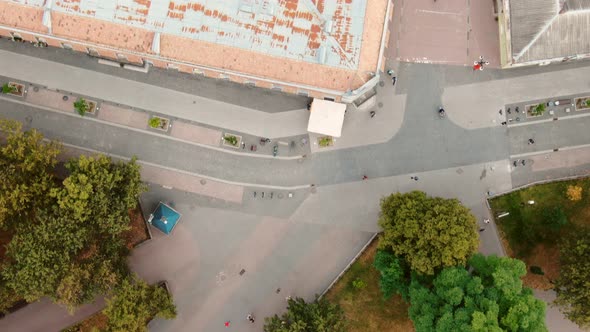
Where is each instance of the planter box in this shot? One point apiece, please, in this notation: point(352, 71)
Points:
point(581, 104)
point(164, 124)
point(238, 141)
point(20, 89)
point(92, 107)
point(529, 109)
point(325, 141)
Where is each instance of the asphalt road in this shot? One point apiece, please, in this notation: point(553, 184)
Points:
point(425, 142)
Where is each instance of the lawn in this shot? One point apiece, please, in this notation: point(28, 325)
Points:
point(530, 233)
point(365, 308)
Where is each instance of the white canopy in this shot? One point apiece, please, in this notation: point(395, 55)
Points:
point(326, 117)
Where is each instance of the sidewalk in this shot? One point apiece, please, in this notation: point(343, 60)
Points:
point(152, 98)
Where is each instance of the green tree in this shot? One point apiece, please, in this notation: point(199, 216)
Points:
point(317, 316)
point(395, 276)
point(134, 303)
point(489, 298)
point(26, 166)
point(429, 233)
point(74, 249)
point(573, 291)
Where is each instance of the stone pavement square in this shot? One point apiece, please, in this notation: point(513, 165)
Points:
point(123, 116)
point(195, 133)
point(454, 32)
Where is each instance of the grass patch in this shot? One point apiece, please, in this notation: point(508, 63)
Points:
point(532, 232)
point(358, 294)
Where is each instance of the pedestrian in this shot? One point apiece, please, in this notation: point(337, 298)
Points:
point(227, 324)
point(393, 80)
point(531, 141)
point(486, 221)
point(372, 114)
point(482, 229)
point(411, 177)
point(500, 111)
point(504, 123)
point(390, 72)
point(243, 145)
point(365, 177)
point(415, 178)
point(278, 290)
point(250, 318)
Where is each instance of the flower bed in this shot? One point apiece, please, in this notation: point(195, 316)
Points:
point(14, 89)
point(535, 110)
point(159, 123)
point(231, 140)
point(83, 106)
point(582, 103)
point(325, 141)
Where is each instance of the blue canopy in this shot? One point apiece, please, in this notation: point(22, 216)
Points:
point(164, 218)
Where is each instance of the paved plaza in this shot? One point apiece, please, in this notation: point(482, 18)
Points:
point(316, 212)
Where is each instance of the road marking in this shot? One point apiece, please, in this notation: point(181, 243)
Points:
point(75, 115)
point(142, 162)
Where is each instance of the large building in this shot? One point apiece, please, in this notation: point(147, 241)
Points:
point(320, 48)
point(538, 32)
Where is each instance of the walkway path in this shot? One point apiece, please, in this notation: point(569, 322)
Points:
point(149, 97)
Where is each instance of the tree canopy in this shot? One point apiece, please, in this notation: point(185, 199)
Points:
point(317, 316)
point(134, 303)
point(26, 166)
point(395, 274)
point(573, 292)
point(489, 298)
point(71, 248)
point(429, 233)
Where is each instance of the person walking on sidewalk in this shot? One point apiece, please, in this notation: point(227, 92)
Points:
point(250, 318)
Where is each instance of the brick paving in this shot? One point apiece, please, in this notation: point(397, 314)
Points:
point(123, 116)
point(194, 133)
point(51, 99)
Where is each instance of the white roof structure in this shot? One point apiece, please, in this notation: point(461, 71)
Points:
point(326, 117)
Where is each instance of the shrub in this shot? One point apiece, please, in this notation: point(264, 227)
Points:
point(588, 102)
point(154, 122)
point(81, 106)
point(537, 270)
point(231, 139)
point(359, 284)
point(325, 141)
point(7, 88)
point(574, 193)
point(539, 109)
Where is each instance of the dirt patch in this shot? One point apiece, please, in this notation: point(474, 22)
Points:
point(96, 322)
point(138, 232)
point(5, 237)
point(547, 258)
point(365, 309)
